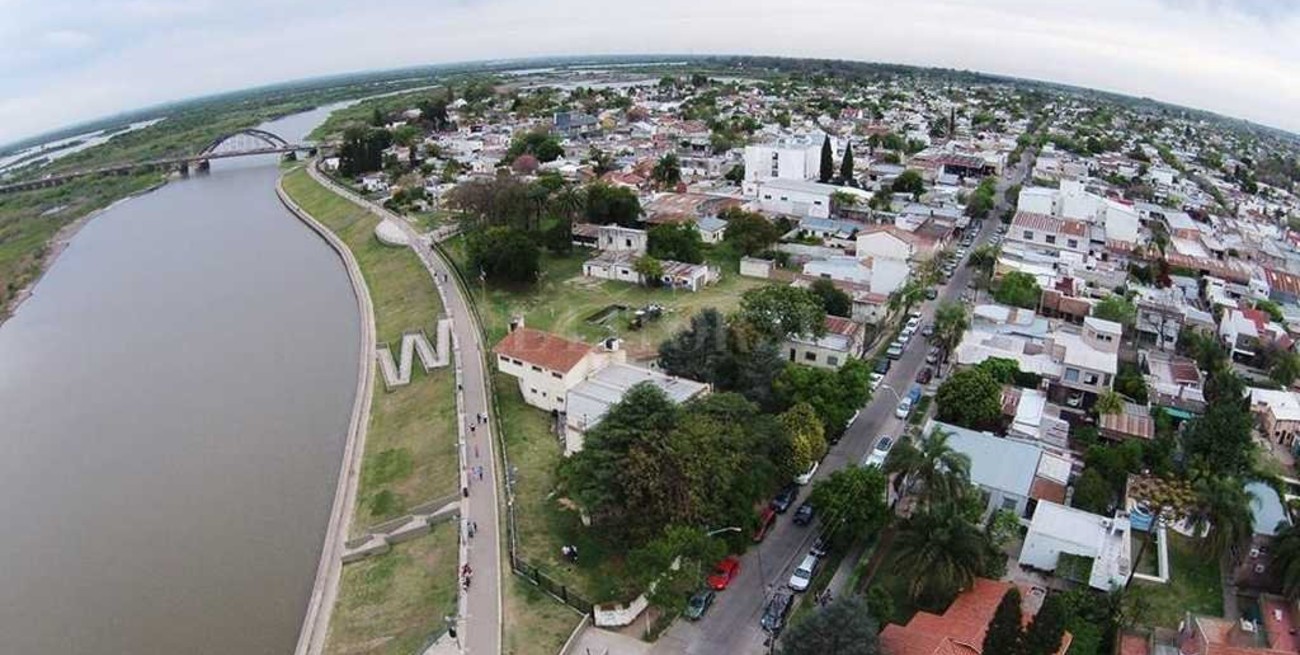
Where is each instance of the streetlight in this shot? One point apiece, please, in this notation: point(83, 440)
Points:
point(714, 533)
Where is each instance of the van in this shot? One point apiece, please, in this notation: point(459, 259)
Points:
point(803, 574)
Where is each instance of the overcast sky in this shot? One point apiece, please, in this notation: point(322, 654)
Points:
point(64, 61)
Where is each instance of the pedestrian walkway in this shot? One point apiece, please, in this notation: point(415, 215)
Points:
point(479, 616)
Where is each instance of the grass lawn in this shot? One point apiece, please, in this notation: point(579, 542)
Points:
point(1194, 586)
point(543, 525)
point(535, 623)
point(564, 300)
point(410, 450)
point(392, 603)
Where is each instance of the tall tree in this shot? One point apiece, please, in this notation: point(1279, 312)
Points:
point(940, 552)
point(970, 398)
point(806, 434)
point(676, 241)
point(835, 301)
point(699, 351)
point(1004, 635)
point(780, 311)
point(842, 628)
point(950, 323)
point(942, 473)
point(1044, 635)
point(909, 181)
point(667, 171)
point(835, 395)
point(609, 204)
point(750, 232)
point(1285, 564)
point(846, 165)
point(1222, 514)
point(851, 502)
point(1019, 289)
point(828, 162)
point(1116, 308)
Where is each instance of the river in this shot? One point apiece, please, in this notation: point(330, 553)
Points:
point(174, 400)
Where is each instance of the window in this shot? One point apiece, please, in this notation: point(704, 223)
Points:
point(556, 375)
point(537, 369)
point(1009, 504)
point(1106, 379)
point(833, 361)
point(627, 243)
point(784, 198)
point(1029, 235)
point(1071, 375)
point(1051, 238)
point(1073, 243)
point(817, 202)
point(767, 196)
point(1090, 378)
point(810, 356)
point(503, 358)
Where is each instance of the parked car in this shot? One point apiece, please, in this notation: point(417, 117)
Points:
point(933, 356)
point(785, 498)
point(775, 611)
point(820, 545)
point(904, 408)
point(699, 603)
point(924, 376)
point(880, 453)
point(876, 379)
point(803, 574)
point(928, 330)
point(882, 365)
point(724, 573)
point(931, 293)
point(765, 521)
point(804, 515)
point(895, 351)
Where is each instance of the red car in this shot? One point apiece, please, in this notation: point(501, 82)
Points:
point(765, 521)
point(724, 573)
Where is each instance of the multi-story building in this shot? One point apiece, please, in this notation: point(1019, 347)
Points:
point(790, 158)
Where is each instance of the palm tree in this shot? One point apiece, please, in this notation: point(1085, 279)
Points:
point(1109, 402)
point(950, 322)
point(944, 473)
point(1285, 564)
point(667, 171)
point(568, 202)
point(941, 552)
point(1222, 514)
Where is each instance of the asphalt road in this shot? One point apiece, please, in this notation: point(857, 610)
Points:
point(731, 625)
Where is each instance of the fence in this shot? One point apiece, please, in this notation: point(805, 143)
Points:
point(518, 565)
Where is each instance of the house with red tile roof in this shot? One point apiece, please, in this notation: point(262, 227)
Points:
point(960, 629)
point(1206, 635)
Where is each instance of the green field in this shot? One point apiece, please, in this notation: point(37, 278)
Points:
point(1194, 586)
point(410, 454)
point(393, 602)
point(535, 623)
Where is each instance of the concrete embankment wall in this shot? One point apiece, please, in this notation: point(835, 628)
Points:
point(315, 624)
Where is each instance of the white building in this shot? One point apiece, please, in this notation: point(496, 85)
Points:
point(576, 382)
point(784, 159)
point(1059, 530)
point(842, 342)
point(797, 197)
point(621, 266)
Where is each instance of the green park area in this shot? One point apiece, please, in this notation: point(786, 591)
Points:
point(395, 602)
point(1195, 586)
point(410, 449)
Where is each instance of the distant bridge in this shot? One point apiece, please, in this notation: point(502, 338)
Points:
point(244, 143)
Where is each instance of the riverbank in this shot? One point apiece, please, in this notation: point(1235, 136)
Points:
point(408, 456)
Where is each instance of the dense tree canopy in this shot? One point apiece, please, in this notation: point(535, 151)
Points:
point(1018, 289)
point(970, 398)
point(667, 171)
point(1116, 308)
point(807, 436)
point(362, 150)
point(676, 242)
point(503, 254)
point(610, 204)
point(827, 162)
point(834, 301)
point(780, 311)
point(842, 628)
point(540, 144)
point(750, 232)
point(851, 502)
point(909, 181)
point(834, 394)
point(1004, 633)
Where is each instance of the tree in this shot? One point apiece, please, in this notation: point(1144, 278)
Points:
point(1001, 369)
point(846, 165)
point(699, 351)
point(749, 232)
point(970, 398)
point(1222, 514)
point(1285, 564)
point(909, 181)
point(1109, 402)
point(677, 242)
point(1092, 492)
point(1116, 308)
point(608, 204)
point(806, 434)
point(1130, 383)
point(834, 394)
point(834, 301)
point(667, 171)
point(503, 254)
point(982, 202)
point(690, 549)
point(780, 311)
point(538, 143)
point(1018, 289)
point(828, 161)
point(650, 269)
point(940, 552)
point(942, 473)
point(1219, 439)
point(851, 502)
point(524, 164)
point(362, 150)
point(1043, 637)
point(1285, 369)
point(1004, 633)
point(950, 323)
point(845, 627)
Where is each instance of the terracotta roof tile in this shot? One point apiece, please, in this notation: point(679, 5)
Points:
point(542, 349)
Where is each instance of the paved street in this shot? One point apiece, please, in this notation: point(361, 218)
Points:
point(731, 625)
point(480, 607)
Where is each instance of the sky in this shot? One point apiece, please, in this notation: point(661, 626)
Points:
point(66, 61)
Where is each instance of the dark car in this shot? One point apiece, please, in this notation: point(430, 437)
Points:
point(883, 364)
point(923, 377)
point(785, 499)
point(775, 611)
point(804, 515)
point(699, 604)
point(820, 546)
point(931, 293)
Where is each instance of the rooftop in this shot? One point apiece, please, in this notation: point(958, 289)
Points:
point(542, 349)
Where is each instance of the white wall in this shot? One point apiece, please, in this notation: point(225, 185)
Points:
point(888, 275)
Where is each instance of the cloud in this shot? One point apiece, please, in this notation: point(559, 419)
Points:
point(1217, 54)
point(68, 39)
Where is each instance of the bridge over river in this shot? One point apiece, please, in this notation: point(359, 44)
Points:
point(244, 143)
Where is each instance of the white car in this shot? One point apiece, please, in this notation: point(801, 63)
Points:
point(803, 575)
point(878, 454)
point(904, 408)
point(876, 379)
